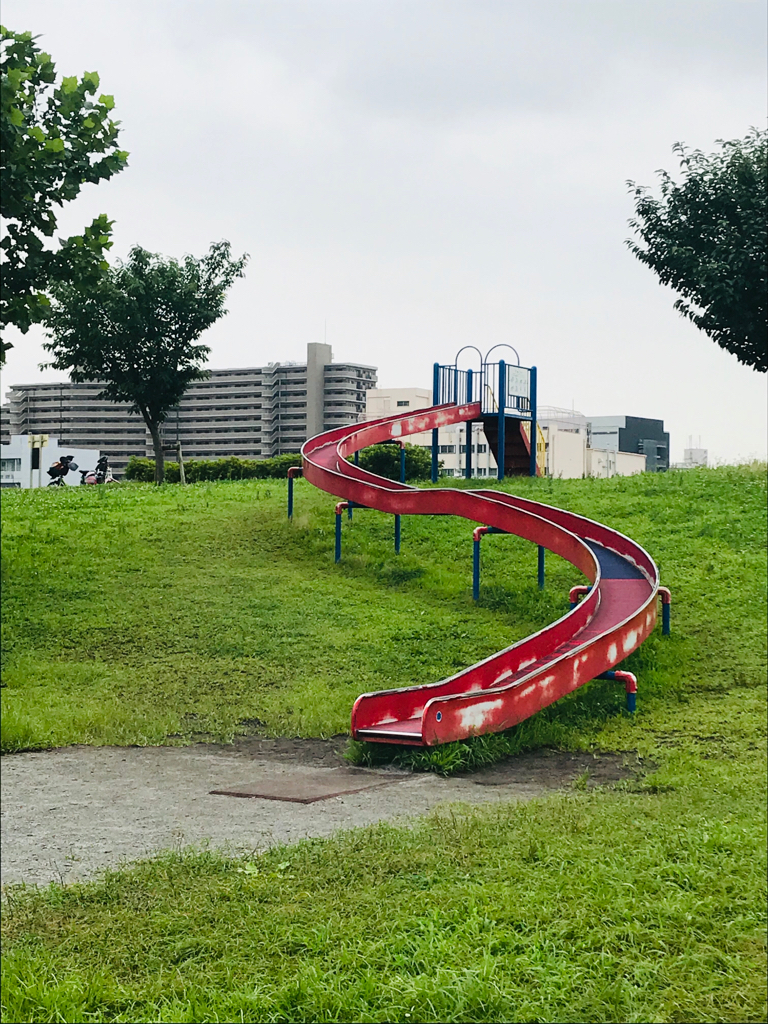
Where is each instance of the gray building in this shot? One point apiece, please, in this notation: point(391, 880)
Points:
point(635, 434)
point(253, 413)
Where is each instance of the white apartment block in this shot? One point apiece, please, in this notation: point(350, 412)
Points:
point(253, 413)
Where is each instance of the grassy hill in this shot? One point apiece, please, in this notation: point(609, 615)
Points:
point(141, 615)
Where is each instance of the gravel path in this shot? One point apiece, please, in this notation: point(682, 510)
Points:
point(68, 813)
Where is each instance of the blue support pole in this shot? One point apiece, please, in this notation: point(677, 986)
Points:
point(541, 567)
point(468, 459)
point(402, 481)
point(352, 504)
point(502, 417)
point(338, 537)
point(290, 497)
point(435, 433)
point(534, 431)
point(476, 571)
point(666, 619)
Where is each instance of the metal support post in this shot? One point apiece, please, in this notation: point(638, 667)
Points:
point(502, 417)
point(630, 686)
point(541, 567)
point(339, 509)
point(477, 533)
point(468, 459)
point(666, 610)
point(435, 433)
point(534, 431)
point(402, 481)
point(294, 471)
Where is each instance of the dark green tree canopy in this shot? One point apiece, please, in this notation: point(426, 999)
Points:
point(136, 329)
point(706, 238)
point(55, 139)
point(384, 460)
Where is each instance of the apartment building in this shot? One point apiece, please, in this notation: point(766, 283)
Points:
point(254, 412)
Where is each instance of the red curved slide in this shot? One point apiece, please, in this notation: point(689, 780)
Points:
point(616, 615)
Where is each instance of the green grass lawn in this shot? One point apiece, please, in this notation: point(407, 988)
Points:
point(141, 615)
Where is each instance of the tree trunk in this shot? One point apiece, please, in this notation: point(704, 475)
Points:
point(182, 476)
point(157, 444)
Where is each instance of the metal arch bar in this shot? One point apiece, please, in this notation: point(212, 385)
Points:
point(464, 348)
point(502, 344)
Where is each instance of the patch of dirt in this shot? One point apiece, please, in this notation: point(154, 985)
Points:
point(287, 750)
point(544, 768)
point(553, 769)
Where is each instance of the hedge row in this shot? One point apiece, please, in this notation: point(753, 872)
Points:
point(232, 468)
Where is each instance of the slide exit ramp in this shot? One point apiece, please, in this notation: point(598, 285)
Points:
point(614, 618)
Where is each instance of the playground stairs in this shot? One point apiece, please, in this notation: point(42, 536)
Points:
point(517, 459)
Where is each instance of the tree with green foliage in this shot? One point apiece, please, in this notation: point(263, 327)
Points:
point(55, 139)
point(384, 460)
point(707, 238)
point(136, 328)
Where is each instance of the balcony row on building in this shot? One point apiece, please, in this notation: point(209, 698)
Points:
point(252, 413)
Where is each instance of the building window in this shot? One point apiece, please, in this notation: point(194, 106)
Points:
point(447, 449)
point(403, 404)
point(481, 450)
point(10, 465)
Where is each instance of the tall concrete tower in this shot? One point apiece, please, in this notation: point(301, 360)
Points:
point(319, 356)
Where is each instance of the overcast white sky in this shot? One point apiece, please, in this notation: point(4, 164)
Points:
point(426, 174)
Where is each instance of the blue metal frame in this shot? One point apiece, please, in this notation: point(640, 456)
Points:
point(435, 433)
point(500, 394)
point(397, 517)
point(502, 402)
